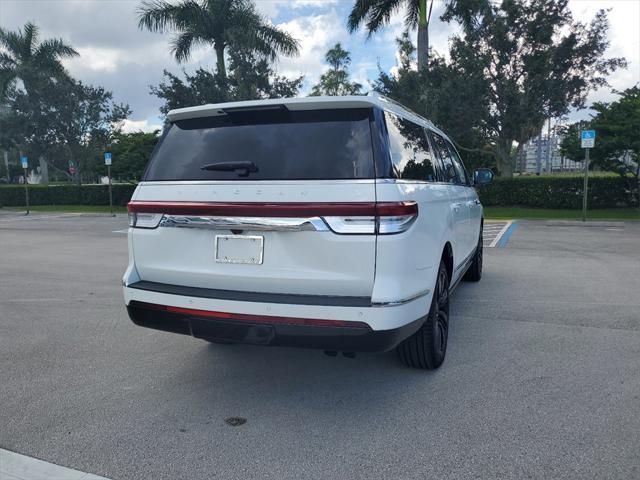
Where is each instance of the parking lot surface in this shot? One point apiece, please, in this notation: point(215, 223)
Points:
point(541, 380)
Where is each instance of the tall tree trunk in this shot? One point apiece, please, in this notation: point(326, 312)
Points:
point(220, 66)
point(505, 158)
point(423, 35)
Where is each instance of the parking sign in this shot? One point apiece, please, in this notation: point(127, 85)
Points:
point(107, 158)
point(25, 161)
point(588, 138)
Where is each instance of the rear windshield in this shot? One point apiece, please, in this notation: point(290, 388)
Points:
point(285, 145)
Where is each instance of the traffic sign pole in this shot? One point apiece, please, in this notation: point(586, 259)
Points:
point(586, 185)
point(26, 190)
point(587, 141)
point(25, 166)
point(110, 195)
point(107, 162)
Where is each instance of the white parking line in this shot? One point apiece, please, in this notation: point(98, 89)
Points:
point(21, 217)
point(500, 234)
point(14, 466)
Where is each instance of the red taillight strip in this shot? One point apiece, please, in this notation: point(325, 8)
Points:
point(245, 317)
point(255, 209)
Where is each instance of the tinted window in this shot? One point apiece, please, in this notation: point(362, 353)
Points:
point(450, 172)
point(303, 145)
point(457, 162)
point(410, 153)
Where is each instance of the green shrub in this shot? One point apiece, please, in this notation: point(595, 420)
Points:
point(13, 195)
point(541, 192)
point(559, 192)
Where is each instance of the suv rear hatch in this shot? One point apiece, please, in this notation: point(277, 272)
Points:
point(266, 200)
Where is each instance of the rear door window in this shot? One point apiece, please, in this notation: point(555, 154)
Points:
point(286, 145)
point(450, 172)
point(457, 162)
point(410, 153)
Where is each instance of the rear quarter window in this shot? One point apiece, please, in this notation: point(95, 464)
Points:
point(410, 153)
point(289, 145)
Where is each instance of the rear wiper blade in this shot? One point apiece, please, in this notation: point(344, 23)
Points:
point(245, 167)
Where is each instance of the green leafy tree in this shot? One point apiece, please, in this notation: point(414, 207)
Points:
point(220, 23)
point(251, 77)
point(336, 80)
point(131, 153)
point(617, 126)
point(442, 96)
point(375, 14)
point(70, 121)
point(23, 57)
point(528, 61)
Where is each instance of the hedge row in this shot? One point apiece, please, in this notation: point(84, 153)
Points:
point(559, 192)
point(13, 195)
point(545, 192)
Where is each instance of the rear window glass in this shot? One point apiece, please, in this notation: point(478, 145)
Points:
point(283, 145)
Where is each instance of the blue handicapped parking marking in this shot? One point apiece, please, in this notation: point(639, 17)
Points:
point(505, 237)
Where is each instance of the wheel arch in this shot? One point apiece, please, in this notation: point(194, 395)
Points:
point(447, 258)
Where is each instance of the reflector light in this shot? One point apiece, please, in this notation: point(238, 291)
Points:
point(144, 220)
point(245, 317)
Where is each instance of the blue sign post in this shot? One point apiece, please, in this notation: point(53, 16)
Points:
point(107, 162)
point(25, 165)
point(587, 141)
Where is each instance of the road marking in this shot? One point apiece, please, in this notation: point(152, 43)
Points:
point(126, 230)
point(16, 466)
point(22, 217)
point(493, 232)
point(506, 235)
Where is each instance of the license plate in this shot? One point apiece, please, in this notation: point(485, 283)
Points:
point(239, 249)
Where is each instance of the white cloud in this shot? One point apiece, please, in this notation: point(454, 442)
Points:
point(146, 125)
point(272, 8)
point(624, 37)
point(316, 34)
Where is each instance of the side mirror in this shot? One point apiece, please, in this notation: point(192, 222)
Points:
point(482, 176)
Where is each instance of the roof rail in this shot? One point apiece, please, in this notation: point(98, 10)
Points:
point(378, 95)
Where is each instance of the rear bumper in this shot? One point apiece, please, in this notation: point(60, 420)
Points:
point(351, 336)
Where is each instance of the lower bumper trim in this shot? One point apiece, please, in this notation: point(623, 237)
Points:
point(264, 330)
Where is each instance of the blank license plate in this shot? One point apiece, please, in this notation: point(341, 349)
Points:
point(239, 249)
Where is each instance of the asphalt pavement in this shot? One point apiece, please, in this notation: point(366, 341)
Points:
point(541, 379)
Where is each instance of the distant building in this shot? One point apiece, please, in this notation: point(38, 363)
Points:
point(542, 155)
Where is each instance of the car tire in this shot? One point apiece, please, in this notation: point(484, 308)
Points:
point(427, 347)
point(474, 273)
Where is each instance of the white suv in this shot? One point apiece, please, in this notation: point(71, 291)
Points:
point(339, 223)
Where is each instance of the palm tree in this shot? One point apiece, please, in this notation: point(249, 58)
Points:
point(23, 57)
point(221, 23)
point(375, 14)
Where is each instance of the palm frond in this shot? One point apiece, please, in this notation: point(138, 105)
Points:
point(359, 13)
point(381, 12)
point(159, 15)
point(278, 40)
point(181, 45)
point(54, 47)
point(413, 14)
point(29, 39)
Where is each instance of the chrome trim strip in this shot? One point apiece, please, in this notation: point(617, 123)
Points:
point(394, 303)
point(262, 224)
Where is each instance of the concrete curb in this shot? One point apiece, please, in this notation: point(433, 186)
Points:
point(14, 466)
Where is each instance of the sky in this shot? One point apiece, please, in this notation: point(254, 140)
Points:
point(116, 54)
